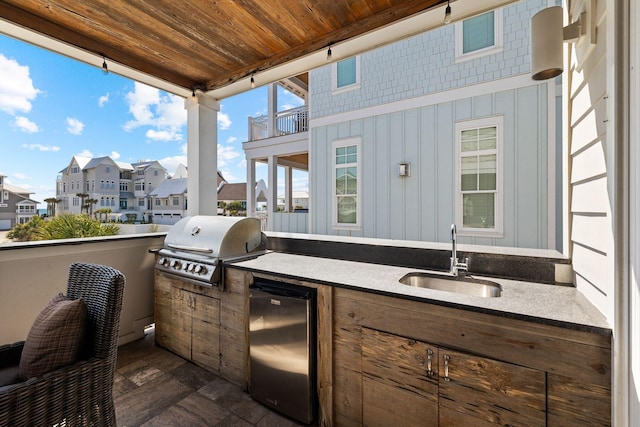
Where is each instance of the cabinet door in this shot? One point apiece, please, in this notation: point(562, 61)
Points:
point(205, 339)
point(181, 321)
point(493, 391)
point(399, 380)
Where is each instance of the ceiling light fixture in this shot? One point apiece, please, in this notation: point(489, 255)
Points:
point(329, 54)
point(253, 82)
point(447, 14)
point(105, 69)
point(193, 92)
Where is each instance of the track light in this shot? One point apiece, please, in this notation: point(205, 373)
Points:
point(329, 54)
point(253, 82)
point(447, 14)
point(105, 69)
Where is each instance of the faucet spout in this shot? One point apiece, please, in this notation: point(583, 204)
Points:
point(456, 266)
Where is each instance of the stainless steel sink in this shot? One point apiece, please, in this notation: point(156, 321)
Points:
point(460, 284)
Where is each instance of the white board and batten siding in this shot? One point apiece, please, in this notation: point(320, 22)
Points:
point(421, 207)
point(591, 167)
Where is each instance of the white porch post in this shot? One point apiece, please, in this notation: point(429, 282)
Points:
point(272, 109)
point(272, 203)
point(251, 187)
point(287, 189)
point(202, 155)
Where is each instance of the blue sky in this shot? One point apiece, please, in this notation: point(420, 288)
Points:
point(53, 107)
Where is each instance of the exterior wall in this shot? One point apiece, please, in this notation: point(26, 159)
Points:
point(426, 64)
point(48, 266)
point(421, 207)
point(592, 171)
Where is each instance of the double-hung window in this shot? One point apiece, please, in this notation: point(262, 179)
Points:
point(346, 184)
point(479, 177)
point(346, 74)
point(478, 36)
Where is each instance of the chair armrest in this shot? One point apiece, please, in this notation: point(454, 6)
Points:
point(10, 354)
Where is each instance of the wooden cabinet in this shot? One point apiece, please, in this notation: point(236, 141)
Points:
point(196, 327)
point(405, 381)
point(187, 318)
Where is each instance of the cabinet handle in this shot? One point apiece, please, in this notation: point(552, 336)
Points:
point(429, 362)
point(446, 368)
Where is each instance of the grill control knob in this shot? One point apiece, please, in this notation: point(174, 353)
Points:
point(201, 269)
point(161, 261)
point(165, 262)
point(176, 264)
point(190, 267)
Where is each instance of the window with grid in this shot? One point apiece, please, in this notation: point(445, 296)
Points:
point(346, 203)
point(479, 200)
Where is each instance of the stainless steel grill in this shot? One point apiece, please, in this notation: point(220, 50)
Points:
point(196, 246)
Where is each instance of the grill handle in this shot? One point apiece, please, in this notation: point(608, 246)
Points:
point(190, 248)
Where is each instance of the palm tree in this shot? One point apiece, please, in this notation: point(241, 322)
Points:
point(82, 196)
point(52, 202)
point(89, 206)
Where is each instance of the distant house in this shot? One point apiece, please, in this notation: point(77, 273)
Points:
point(237, 192)
point(299, 200)
point(16, 205)
point(119, 186)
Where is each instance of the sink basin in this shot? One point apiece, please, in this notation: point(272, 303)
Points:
point(459, 285)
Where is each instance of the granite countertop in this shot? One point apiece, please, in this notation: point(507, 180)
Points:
point(547, 304)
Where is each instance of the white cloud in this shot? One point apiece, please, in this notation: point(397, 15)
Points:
point(164, 113)
point(19, 175)
point(85, 153)
point(114, 155)
point(164, 135)
point(231, 139)
point(103, 100)
point(41, 147)
point(224, 122)
point(172, 162)
point(225, 154)
point(25, 125)
point(74, 126)
point(16, 87)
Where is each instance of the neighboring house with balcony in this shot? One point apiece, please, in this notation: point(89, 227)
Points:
point(16, 205)
point(444, 127)
point(119, 186)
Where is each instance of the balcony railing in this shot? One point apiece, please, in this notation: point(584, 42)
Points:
point(287, 122)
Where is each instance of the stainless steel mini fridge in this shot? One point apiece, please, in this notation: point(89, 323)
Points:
point(282, 348)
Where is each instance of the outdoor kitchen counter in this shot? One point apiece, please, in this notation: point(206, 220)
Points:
point(561, 306)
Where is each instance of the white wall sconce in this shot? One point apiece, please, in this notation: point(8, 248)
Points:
point(548, 34)
point(404, 170)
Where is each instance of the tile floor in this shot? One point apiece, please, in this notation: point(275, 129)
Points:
point(154, 387)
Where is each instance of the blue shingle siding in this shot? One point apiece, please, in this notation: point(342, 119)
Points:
point(426, 64)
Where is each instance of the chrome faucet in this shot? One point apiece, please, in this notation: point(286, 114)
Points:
point(455, 265)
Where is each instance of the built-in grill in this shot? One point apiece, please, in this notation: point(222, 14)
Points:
point(196, 246)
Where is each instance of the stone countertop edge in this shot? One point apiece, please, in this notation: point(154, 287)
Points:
point(560, 306)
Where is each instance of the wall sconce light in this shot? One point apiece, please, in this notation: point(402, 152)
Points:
point(404, 170)
point(105, 69)
point(548, 34)
point(329, 54)
point(253, 82)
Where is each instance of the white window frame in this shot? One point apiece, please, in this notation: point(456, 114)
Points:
point(498, 38)
point(334, 77)
point(334, 199)
point(498, 230)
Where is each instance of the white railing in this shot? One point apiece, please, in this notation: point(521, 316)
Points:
point(288, 122)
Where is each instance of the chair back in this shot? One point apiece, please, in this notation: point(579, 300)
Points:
point(102, 289)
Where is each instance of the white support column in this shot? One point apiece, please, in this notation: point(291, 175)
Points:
point(251, 187)
point(202, 155)
point(272, 109)
point(288, 179)
point(272, 204)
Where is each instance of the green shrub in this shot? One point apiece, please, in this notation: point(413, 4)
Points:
point(66, 226)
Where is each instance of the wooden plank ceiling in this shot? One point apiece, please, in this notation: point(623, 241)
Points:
point(206, 44)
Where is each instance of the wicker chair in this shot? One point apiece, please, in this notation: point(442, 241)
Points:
point(80, 394)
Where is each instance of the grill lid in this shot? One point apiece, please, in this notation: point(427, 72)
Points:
point(216, 236)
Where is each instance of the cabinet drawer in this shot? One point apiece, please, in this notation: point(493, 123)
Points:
point(491, 390)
